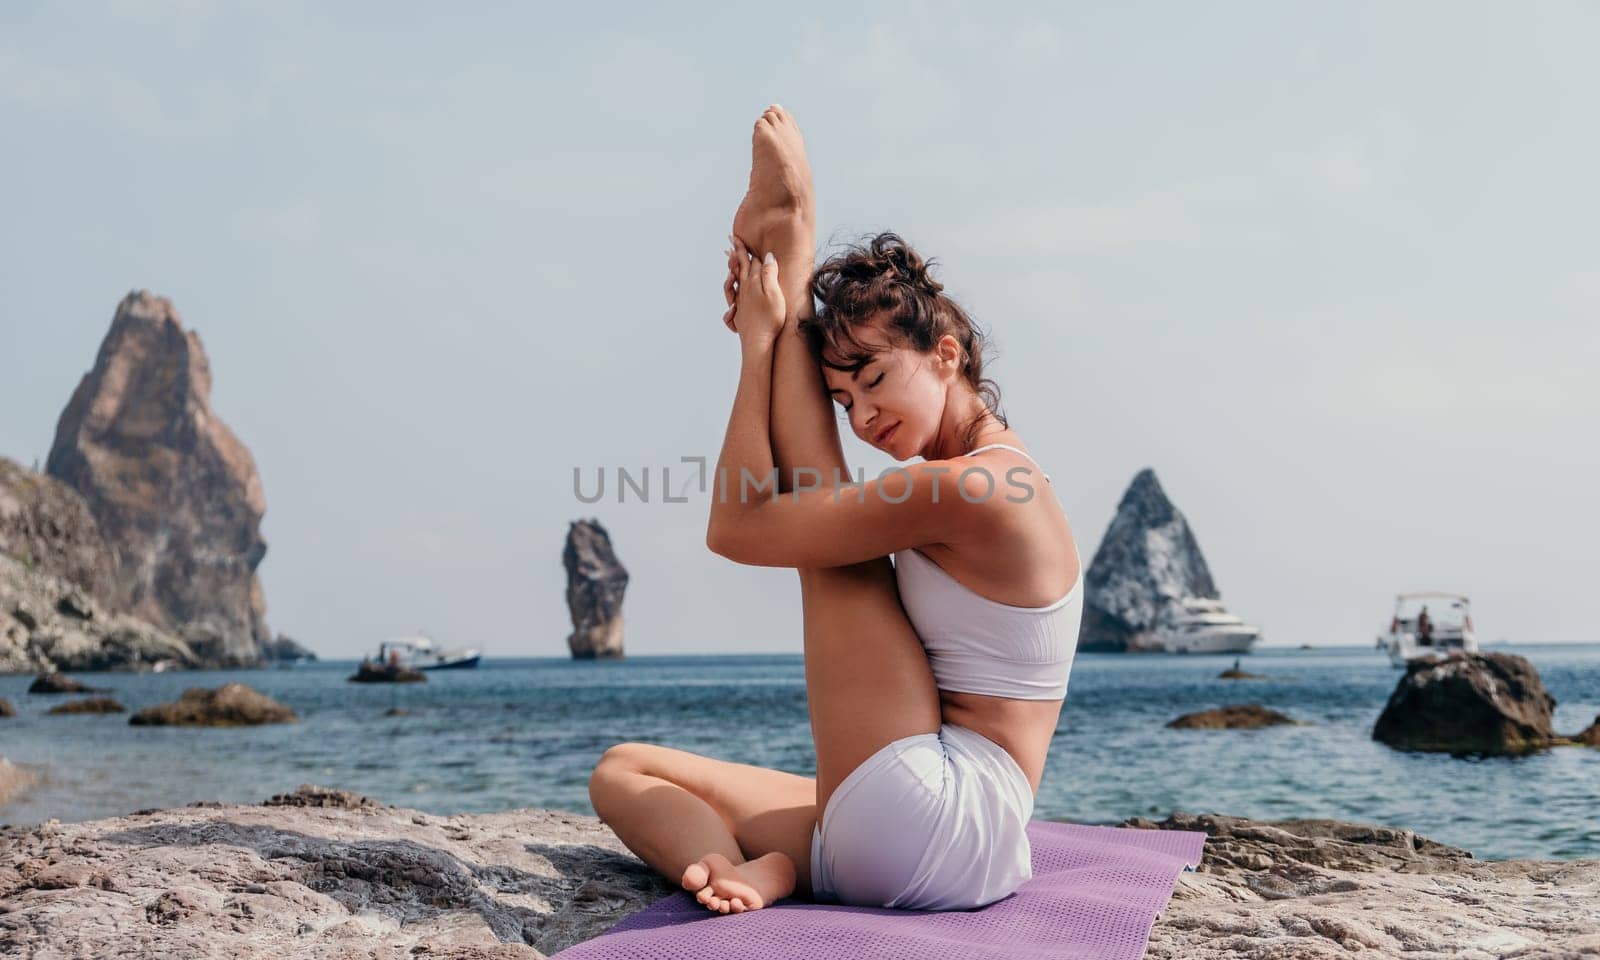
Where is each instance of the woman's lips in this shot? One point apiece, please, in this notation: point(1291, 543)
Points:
point(885, 435)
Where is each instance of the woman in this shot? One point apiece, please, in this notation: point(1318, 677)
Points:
point(931, 719)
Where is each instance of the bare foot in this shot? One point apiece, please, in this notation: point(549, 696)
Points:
point(726, 887)
point(780, 196)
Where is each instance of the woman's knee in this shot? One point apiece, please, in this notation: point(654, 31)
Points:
point(621, 758)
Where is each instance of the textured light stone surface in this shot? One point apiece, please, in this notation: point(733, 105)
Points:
point(596, 582)
point(1147, 561)
point(169, 485)
point(320, 873)
point(324, 873)
point(1316, 889)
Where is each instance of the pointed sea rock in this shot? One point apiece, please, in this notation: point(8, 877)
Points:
point(1147, 561)
point(596, 581)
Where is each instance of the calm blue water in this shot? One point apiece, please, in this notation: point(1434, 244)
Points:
point(527, 732)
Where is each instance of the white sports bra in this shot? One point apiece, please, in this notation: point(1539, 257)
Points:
point(979, 645)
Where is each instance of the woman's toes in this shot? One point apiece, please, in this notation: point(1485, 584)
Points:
point(737, 905)
point(696, 875)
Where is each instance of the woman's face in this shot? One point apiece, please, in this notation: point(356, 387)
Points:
point(896, 401)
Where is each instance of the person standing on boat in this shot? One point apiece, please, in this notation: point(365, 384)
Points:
point(1424, 628)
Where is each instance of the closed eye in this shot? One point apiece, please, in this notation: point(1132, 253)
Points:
point(876, 380)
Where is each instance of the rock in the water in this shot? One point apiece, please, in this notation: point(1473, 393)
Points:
point(6, 709)
point(1237, 716)
point(168, 484)
point(368, 671)
point(317, 873)
point(596, 581)
point(48, 623)
point(1236, 672)
point(55, 682)
point(284, 647)
point(1490, 703)
point(88, 705)
point(1591, 734)
point(1328, 889)
point(230, 705)
point(1147, 562)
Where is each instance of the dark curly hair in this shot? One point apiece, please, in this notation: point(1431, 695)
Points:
point(883, 275)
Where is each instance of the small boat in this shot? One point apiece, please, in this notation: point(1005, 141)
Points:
point(417, 652)
point(1202, 625)
point(1415, 633)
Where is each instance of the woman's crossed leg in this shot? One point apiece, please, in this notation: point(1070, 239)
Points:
point(742, 834)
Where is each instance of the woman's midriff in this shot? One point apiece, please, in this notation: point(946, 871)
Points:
point(1023, 728)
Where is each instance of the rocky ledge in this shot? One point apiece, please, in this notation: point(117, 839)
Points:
point(324, 873)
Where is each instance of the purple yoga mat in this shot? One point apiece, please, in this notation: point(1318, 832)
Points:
point(1095, 893)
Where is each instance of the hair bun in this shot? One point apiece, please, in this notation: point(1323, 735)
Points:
point(900, 262)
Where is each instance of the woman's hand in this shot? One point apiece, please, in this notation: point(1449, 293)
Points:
point(756, 301)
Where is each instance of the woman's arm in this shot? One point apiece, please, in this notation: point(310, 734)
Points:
point(823, 523)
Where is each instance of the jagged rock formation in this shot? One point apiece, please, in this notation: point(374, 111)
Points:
point(168, 483)
point(321, 872)
point(596, 581)
point(48, 623)
point(1490, 703)
point(1147, 561)
point(1237, 716)
point(230, 705)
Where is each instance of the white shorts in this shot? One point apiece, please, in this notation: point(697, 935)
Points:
point(934, 821)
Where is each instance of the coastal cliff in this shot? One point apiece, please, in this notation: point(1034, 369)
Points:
point(321, 872)
point(1147, 561)
point(55, 570)
point(168, 484)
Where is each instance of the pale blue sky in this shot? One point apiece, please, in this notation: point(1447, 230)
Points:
point(1330, 270)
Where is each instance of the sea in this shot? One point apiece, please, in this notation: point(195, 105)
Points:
point(527, 732)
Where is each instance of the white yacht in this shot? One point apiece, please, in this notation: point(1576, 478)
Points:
point(1417, 630)
point(417, 652)
point(1202, 625)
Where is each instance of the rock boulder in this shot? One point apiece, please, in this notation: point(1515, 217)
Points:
point(1482, 703)
point(1238, 716)
point(230, 705)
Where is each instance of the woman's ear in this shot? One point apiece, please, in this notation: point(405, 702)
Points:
point(948, 350)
